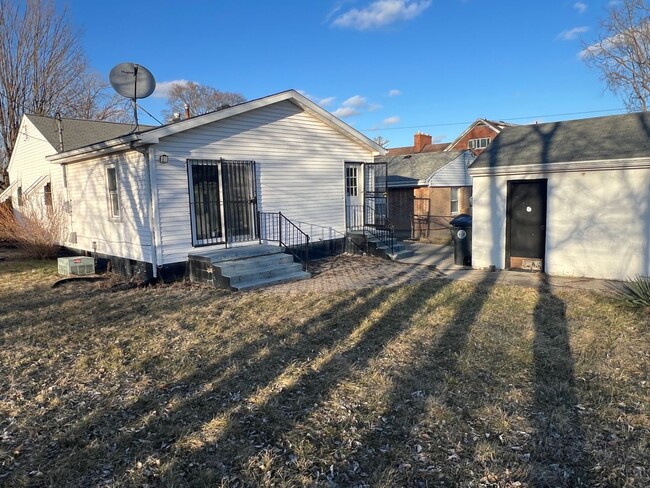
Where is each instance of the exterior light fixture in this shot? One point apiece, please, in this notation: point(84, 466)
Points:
point(163, 159)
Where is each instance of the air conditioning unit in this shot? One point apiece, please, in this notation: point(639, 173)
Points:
point(76, 265)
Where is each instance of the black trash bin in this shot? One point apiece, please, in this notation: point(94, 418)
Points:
point(461, 233)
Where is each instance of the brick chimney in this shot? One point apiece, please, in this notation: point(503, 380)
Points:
point(420, 140)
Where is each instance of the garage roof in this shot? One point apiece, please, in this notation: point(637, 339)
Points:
point(596, 139)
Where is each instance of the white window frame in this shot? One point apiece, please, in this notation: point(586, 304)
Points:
point(453, 201)
point(479, 143)
point(113, 196)
point(352, 181)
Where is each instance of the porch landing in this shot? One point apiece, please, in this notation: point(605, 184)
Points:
point(244, 268)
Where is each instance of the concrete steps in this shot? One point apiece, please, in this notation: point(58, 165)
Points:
point(381, 248)
point(245, 268)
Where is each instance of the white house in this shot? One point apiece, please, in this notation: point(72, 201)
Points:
point(569, 198)
point(147, 200)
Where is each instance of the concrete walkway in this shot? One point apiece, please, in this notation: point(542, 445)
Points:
point(442, 257)
point(347, 272)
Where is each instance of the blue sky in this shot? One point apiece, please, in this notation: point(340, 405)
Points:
point(387, 67)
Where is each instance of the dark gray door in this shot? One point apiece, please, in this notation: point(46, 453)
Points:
point(526, 224)
point(240, 200)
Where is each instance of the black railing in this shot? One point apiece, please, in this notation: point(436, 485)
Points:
point(373, 221)
point(275, 227)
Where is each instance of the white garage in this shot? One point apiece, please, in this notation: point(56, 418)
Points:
point(568, 198)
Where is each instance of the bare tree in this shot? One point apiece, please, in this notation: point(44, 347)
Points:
point(96, 100)
point(200, 98)
point(43, 70)
point(621, 52)
point(379, 140)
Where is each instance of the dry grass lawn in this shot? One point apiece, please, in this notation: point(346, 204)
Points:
point(435, 384)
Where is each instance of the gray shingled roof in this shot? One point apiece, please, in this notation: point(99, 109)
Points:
point(78, 132)
point(412, 169)
point(600, 138)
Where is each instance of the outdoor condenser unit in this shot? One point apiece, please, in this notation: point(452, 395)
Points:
point(76, 265)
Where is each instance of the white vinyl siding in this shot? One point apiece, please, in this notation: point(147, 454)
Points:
point(129, 236)
point(28, 164)
point(299, 163)
point(454, 173)
point(598, 222)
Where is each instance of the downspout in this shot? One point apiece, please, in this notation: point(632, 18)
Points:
point(149, 156)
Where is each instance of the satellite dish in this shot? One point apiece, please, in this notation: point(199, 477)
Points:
point(132, 80)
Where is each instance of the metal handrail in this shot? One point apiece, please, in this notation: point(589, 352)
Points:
point(377, 225)
point(276, 227)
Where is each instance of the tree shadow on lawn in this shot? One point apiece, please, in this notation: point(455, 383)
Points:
point(403, 461)
point(218, 401)
point(559, 457)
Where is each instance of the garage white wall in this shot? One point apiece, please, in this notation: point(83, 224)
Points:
point(598, 222)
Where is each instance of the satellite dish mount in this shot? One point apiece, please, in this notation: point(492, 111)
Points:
point(132, 81)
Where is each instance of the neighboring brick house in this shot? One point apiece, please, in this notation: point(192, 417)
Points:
point(425, 190)
point(477, 136)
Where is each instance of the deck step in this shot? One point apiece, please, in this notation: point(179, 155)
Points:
point(261, 283)
point(261, 273)
point(235, 253)
point(252, 263)
point(245, 268)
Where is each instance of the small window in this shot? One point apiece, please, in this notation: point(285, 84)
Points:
point(481, 143)
point(454, 200)
point(351, 181)
point(113, 192)
point(47, 195)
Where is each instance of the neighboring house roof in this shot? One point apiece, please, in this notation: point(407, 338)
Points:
point(153, 135)
point(496, 126)
point(415, 169)
point(602, 138)
point(79, 132)
point(400, 151)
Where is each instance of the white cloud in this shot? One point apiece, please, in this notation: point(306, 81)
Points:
point(355, 101)
point(163, 87)
point(394, 92)
point(355, 105)
point(344, 112)
point(391, 120)
point(380, 13)
point(580, 7)
point(571, 34)
point(324, 102)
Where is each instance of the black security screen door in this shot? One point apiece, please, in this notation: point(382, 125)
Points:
point(240, 200)
point(205, 202)
point(526, 220)
point(223, 201)
point(375, 201)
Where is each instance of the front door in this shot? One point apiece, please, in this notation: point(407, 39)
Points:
point(354, 196)
point(526, 225)
point(223, 201)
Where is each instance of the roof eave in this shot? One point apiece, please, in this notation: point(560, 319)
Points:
point(99, 149)
point(563, 166)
